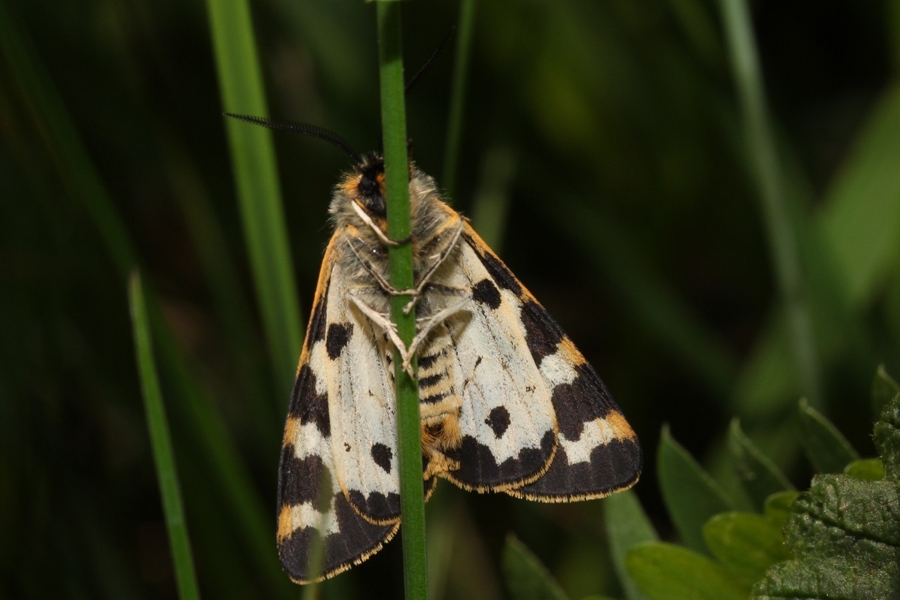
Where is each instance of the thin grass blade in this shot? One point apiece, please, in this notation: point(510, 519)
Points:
point(161, 441)
point(763, 155)
point(259, 194)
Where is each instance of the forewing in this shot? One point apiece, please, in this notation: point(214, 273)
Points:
point(314, 515)
point(507, 424)
point(598, 452)
point(361, 399)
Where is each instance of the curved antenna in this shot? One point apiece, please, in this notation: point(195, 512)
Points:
point(302, 128)
point(430, 61)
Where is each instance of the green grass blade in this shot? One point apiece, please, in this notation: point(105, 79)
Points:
point(781, 232)
point(458, 95)
point(396, 171)
point(256, 179)
point(163, 454)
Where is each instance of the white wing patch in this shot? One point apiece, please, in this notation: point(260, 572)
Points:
point(361, 402)
point(507, 423)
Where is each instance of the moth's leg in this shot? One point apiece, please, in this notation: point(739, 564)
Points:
point(429, 324)
point(367, 265)
point(441, 257)
point(382, 321)
point(368, 221)
point(416, 292)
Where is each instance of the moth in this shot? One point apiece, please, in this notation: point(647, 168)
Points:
point(508, 404)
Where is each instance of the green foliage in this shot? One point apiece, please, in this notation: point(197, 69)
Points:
point(845, 532)
point(666, 571)
point(526, 577)
point(827, 449)
point(626, 525)
point(884, 389)
point(691, 495)
point(841, 539)
point(758, 475)
point(745, 544)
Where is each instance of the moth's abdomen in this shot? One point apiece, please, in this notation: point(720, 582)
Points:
point(439, 403)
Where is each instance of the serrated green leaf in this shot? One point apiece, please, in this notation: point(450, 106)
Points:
point(669, 572)
point(845, 533)
point(526, 578)
point(746, 544)
point(778, 507)
point(627, 525)
point(866, 469)
point(691, 495)
point(758, 475)
point(887, 439)
point(828, 450)
point(884, 388)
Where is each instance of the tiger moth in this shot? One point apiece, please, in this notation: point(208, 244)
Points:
point(507, 403)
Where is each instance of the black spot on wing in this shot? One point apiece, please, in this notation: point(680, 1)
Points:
point(612, 466)
point(583, 400)
point(377, 506)
point(308, 405)
point(354, 539)
point(497, 270)
point(542, 334)
point(299, 480)
point(478, 467)
point(486, 293)
point(337, 338)
point(382, 456)
point(498, 420)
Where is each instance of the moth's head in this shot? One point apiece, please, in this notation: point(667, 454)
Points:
point(359, 198)
point(364, 186)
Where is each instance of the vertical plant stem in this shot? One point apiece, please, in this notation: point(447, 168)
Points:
point(256, 178)
point(163, 455)
point(458, 95)
point(782, 234)
point(396, 170)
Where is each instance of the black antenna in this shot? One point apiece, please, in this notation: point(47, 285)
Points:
point(430, 61)
point(303, 128)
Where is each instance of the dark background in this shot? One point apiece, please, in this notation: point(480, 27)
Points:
point(611, 130)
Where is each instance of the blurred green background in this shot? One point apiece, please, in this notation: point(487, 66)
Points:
point(603, 153)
